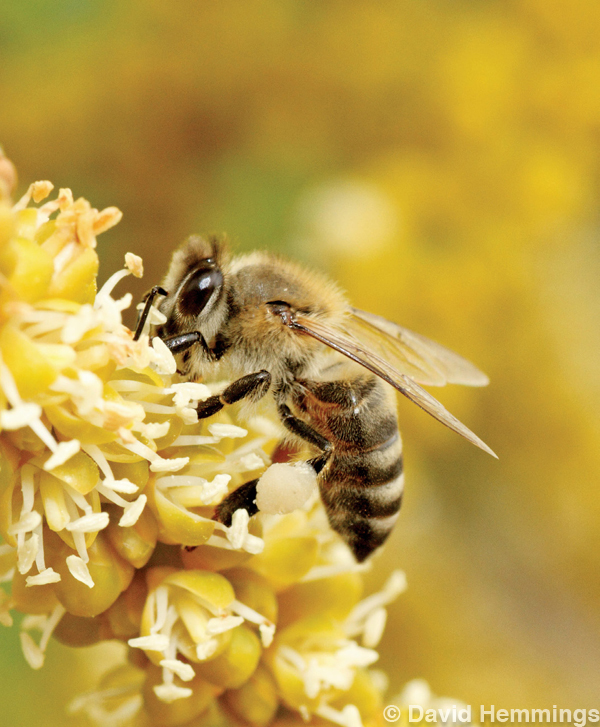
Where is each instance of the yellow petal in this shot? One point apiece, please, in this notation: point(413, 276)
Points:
point(33, 270)
point(77, 280)
point(53, 499)
point(213, 588)
point(256, 701)
point(237, 663)
point(110, 573)
point(176, 525)
point(32, 371)
point(285, 560)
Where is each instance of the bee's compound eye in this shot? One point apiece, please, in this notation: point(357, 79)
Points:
point(197, 290)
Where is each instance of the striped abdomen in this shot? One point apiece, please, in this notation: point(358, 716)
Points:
point(361, 485)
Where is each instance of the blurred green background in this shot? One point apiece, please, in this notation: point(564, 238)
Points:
point(441, 160)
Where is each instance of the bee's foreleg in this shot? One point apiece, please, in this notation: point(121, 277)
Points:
point(244, 498)
point(148, 300)
point(253, 386)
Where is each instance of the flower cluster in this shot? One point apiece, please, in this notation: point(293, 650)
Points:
point(108, 484)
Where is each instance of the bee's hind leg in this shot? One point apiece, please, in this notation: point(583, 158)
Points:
point(253, 387)
point(244, 498)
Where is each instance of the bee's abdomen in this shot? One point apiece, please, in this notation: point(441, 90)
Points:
point(362, 497)
point(361, 486)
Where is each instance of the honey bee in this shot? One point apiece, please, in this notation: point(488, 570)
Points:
point(275, 328)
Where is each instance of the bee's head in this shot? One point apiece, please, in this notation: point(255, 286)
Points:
point(240, 306)
point(196, 284)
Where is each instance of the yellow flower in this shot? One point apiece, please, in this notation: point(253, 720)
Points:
point(108, 484)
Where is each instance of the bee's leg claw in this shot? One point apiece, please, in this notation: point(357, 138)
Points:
point(253, 387)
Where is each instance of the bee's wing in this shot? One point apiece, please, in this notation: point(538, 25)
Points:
point(354, 350)
point(425, 361)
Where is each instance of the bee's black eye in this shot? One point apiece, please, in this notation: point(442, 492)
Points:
point(197, 290)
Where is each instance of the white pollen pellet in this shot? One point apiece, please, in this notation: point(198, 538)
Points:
point(285, 487)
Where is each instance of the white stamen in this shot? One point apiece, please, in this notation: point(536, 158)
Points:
point(214, 491)
point(79, 500)
point(98, 456)
point(206, 649)
point(152, 408)
point(134, 264)
point(47, 576)
point(162, 605)
point(356, 655)
point(124, 486)
point(64, 451)
point(394, 586)
point(28, 553)
point(184, 671)
point(40, 561)
point(34, 656)
point(249, 614)
point(164, 361)
point(28, 522)
point(221, 624)
point(133, 512)
point(153, 642)
point(193, 441)
point(20, 416)
point(374, 628)
point(80, 546)
point(238, 531)
point(156, 430)
point(39, 428)
point(226, 430)
point(251, 462)
point(187, 415)
point(51, 623)
point(187, 392)
point(253, 544)
point(170, 692)
point(267, 632)
point(79, 324)
point(168, 465)
point(27, 488)
point(349, 716)
point(79, 570)
point(106, 290)
point(89, 523)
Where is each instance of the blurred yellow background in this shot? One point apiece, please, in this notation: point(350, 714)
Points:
point(441, 160)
